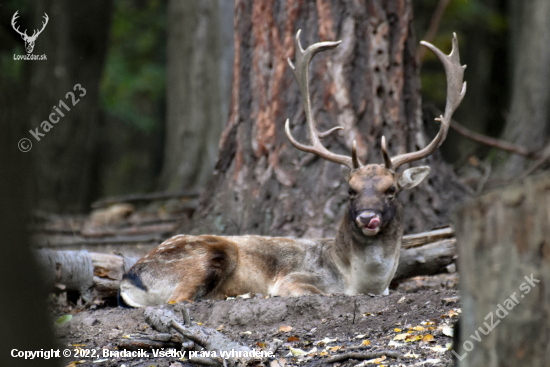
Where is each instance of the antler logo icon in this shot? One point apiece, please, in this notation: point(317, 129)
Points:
point(29, 40)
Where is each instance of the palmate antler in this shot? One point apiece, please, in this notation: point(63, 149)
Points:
point(456, 89)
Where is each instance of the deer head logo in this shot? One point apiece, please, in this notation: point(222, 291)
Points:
point(29, 40)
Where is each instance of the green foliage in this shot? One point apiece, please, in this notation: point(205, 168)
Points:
point(466, 18)
point(134, 79)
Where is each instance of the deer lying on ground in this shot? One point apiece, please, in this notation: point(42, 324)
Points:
point(361, 259)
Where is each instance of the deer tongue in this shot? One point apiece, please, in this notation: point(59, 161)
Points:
point(374, 223)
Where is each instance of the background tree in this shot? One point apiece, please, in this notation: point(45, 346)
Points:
point(528, 123)
point(75, 42)
point(200, 52)
point(369, 85)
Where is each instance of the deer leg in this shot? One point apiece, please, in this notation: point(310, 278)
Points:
point(297, 284)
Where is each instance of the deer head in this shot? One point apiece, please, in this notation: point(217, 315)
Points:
point(373, 188)
point(29, 40)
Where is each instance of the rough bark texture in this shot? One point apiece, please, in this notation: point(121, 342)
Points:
point(75, 42)
point(369, 85)
point(96, 276)
point(198, 89)
point(528, 123)
point(504, 237)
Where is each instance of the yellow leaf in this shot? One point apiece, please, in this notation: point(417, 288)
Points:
point(261, 345)
point(365, 342)
point(400, 336)
point(397, 330)
point(334, 349)
point(285, 329)
point(171, 302)
point(324, 353)
point(220, 328)
point(78, 345)
point(199, 323)
point(418, 328)
point(379, 360)
point(427, 338)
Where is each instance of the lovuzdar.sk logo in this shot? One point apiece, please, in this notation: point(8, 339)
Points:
point(29, 40)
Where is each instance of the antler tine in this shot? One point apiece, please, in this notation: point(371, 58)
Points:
point(456, 89)
point(46, 18)
point(13, 19)
point(301, 74)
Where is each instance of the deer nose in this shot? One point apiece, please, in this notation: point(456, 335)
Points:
point(368, 219)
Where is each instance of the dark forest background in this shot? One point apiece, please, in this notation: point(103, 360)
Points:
point(160, 92)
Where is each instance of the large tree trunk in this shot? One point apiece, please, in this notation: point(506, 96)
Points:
point(504, 251)
point(200, 50)
point(75, 43)
point(369, 85)
point(528, 123)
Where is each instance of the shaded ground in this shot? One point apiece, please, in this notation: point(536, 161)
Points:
point(322, 326)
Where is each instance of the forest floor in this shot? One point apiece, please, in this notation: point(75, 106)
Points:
point(415, 320)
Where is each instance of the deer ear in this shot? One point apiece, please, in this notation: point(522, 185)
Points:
point(346, 172)
point(412, 177)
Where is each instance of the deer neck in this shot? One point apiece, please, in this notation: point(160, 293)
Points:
point(368, 263)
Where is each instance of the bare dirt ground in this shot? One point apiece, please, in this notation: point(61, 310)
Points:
point(415, 320)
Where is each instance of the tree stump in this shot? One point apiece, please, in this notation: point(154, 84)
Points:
point(504, 262)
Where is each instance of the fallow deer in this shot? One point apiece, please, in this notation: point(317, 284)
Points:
point(361, 259)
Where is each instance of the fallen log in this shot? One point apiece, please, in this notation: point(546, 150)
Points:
point(94, 275)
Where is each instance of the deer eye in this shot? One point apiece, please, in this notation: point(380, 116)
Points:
point(352, 192)
point(391, 190)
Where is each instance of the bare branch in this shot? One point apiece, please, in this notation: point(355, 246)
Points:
point(433, 28)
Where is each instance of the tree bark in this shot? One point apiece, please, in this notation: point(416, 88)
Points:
point(200, 50)
point(504, 243)
point(75, 43)
point(528, 123)
point(96, 276)
point(369, 85)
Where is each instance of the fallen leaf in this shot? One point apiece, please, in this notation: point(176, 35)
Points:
point(297, 352)
point(63, 320)
point(247, 332)
point(171, 302)
point(261, 345)
point(285, 328)
point(365, 342)
point(360, 336)
point(453, 313)
point(427, 338)
point(402, 299)
point(447, 330)
point(325, 341)
point(312, 351)
point(334, 349)
point(397, 330)
point(393, 343)
point(78, 345)
point(438, 349)
point(400, 336)
point(323, 353)
point(418, 328)
point(411, 355)
point(449, 346)
point(220, 328)
point(293, 339)
point(413, 338)
point(199, 323)
point(379, 360)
